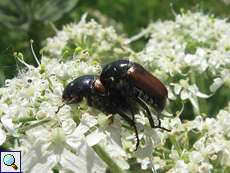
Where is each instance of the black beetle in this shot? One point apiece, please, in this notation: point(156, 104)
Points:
point(90, 87)
point(131, 80)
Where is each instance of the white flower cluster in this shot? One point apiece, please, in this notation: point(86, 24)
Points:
point(205, 147)
point(227, 2)
point(103, 44)
point(193, 47)
point(192, 40)
point(28, 103)
point(190, 54)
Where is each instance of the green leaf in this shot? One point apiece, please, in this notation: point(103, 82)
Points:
point(54, 10)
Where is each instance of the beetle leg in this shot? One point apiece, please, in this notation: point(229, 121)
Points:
point(149, 116)
point(132, 123)
point(135, 128)
point(159, 125)
point(145, 107)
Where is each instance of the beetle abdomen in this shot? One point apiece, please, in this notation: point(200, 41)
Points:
point(150, 89)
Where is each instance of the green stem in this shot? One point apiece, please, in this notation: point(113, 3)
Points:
point(23, 119)
point(114, 168)
point(193, 79)
point(175, 143)
point(41, 122)
point(203, 101)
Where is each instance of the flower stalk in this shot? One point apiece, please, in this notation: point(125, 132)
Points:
point(114, 168)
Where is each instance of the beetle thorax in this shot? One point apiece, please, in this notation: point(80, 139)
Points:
point(99, 86)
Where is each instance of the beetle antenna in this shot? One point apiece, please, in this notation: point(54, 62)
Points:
point(59, 107)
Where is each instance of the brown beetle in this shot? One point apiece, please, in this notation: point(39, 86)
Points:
point(131, 80)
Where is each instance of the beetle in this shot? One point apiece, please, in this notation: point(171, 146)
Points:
point(91, 88)
point(131, 80)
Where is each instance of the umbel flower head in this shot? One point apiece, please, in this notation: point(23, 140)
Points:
point(191, 55)
point(61, 141)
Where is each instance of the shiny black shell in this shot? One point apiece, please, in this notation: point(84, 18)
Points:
point(84, 87)
point(131, 79)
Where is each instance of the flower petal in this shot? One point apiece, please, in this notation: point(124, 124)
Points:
point(2, 136)
point(95, 137)
point(218, 82)
point(184, 94)
point(85, 161)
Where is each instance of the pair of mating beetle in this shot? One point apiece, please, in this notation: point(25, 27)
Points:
point(122, 88)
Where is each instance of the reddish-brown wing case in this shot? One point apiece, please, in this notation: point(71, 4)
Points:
point(149, 84)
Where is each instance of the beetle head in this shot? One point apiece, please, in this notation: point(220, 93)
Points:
point(77, 89)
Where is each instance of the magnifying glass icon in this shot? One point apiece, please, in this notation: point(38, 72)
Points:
point(9, 160)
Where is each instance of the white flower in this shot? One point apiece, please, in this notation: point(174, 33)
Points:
point(223, 118)
point(187, 91)
point(198, 59)
point(196, 157)
point(87, 36)
point(197, 123)
point(227, 2)
point(219, 81)
point(95, 137)
point(8, 124)
point(144, 163)
point(113, 144)
point(2, 136)
point(205, 168)
point(225, 157)
point(56, 146)
point(181, 53)
point(174, 155)
point(180, 167)
point(158, 163)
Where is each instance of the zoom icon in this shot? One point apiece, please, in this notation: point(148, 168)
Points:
point(10, 161)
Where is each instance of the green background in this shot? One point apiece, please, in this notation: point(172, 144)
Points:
point(22, 20)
